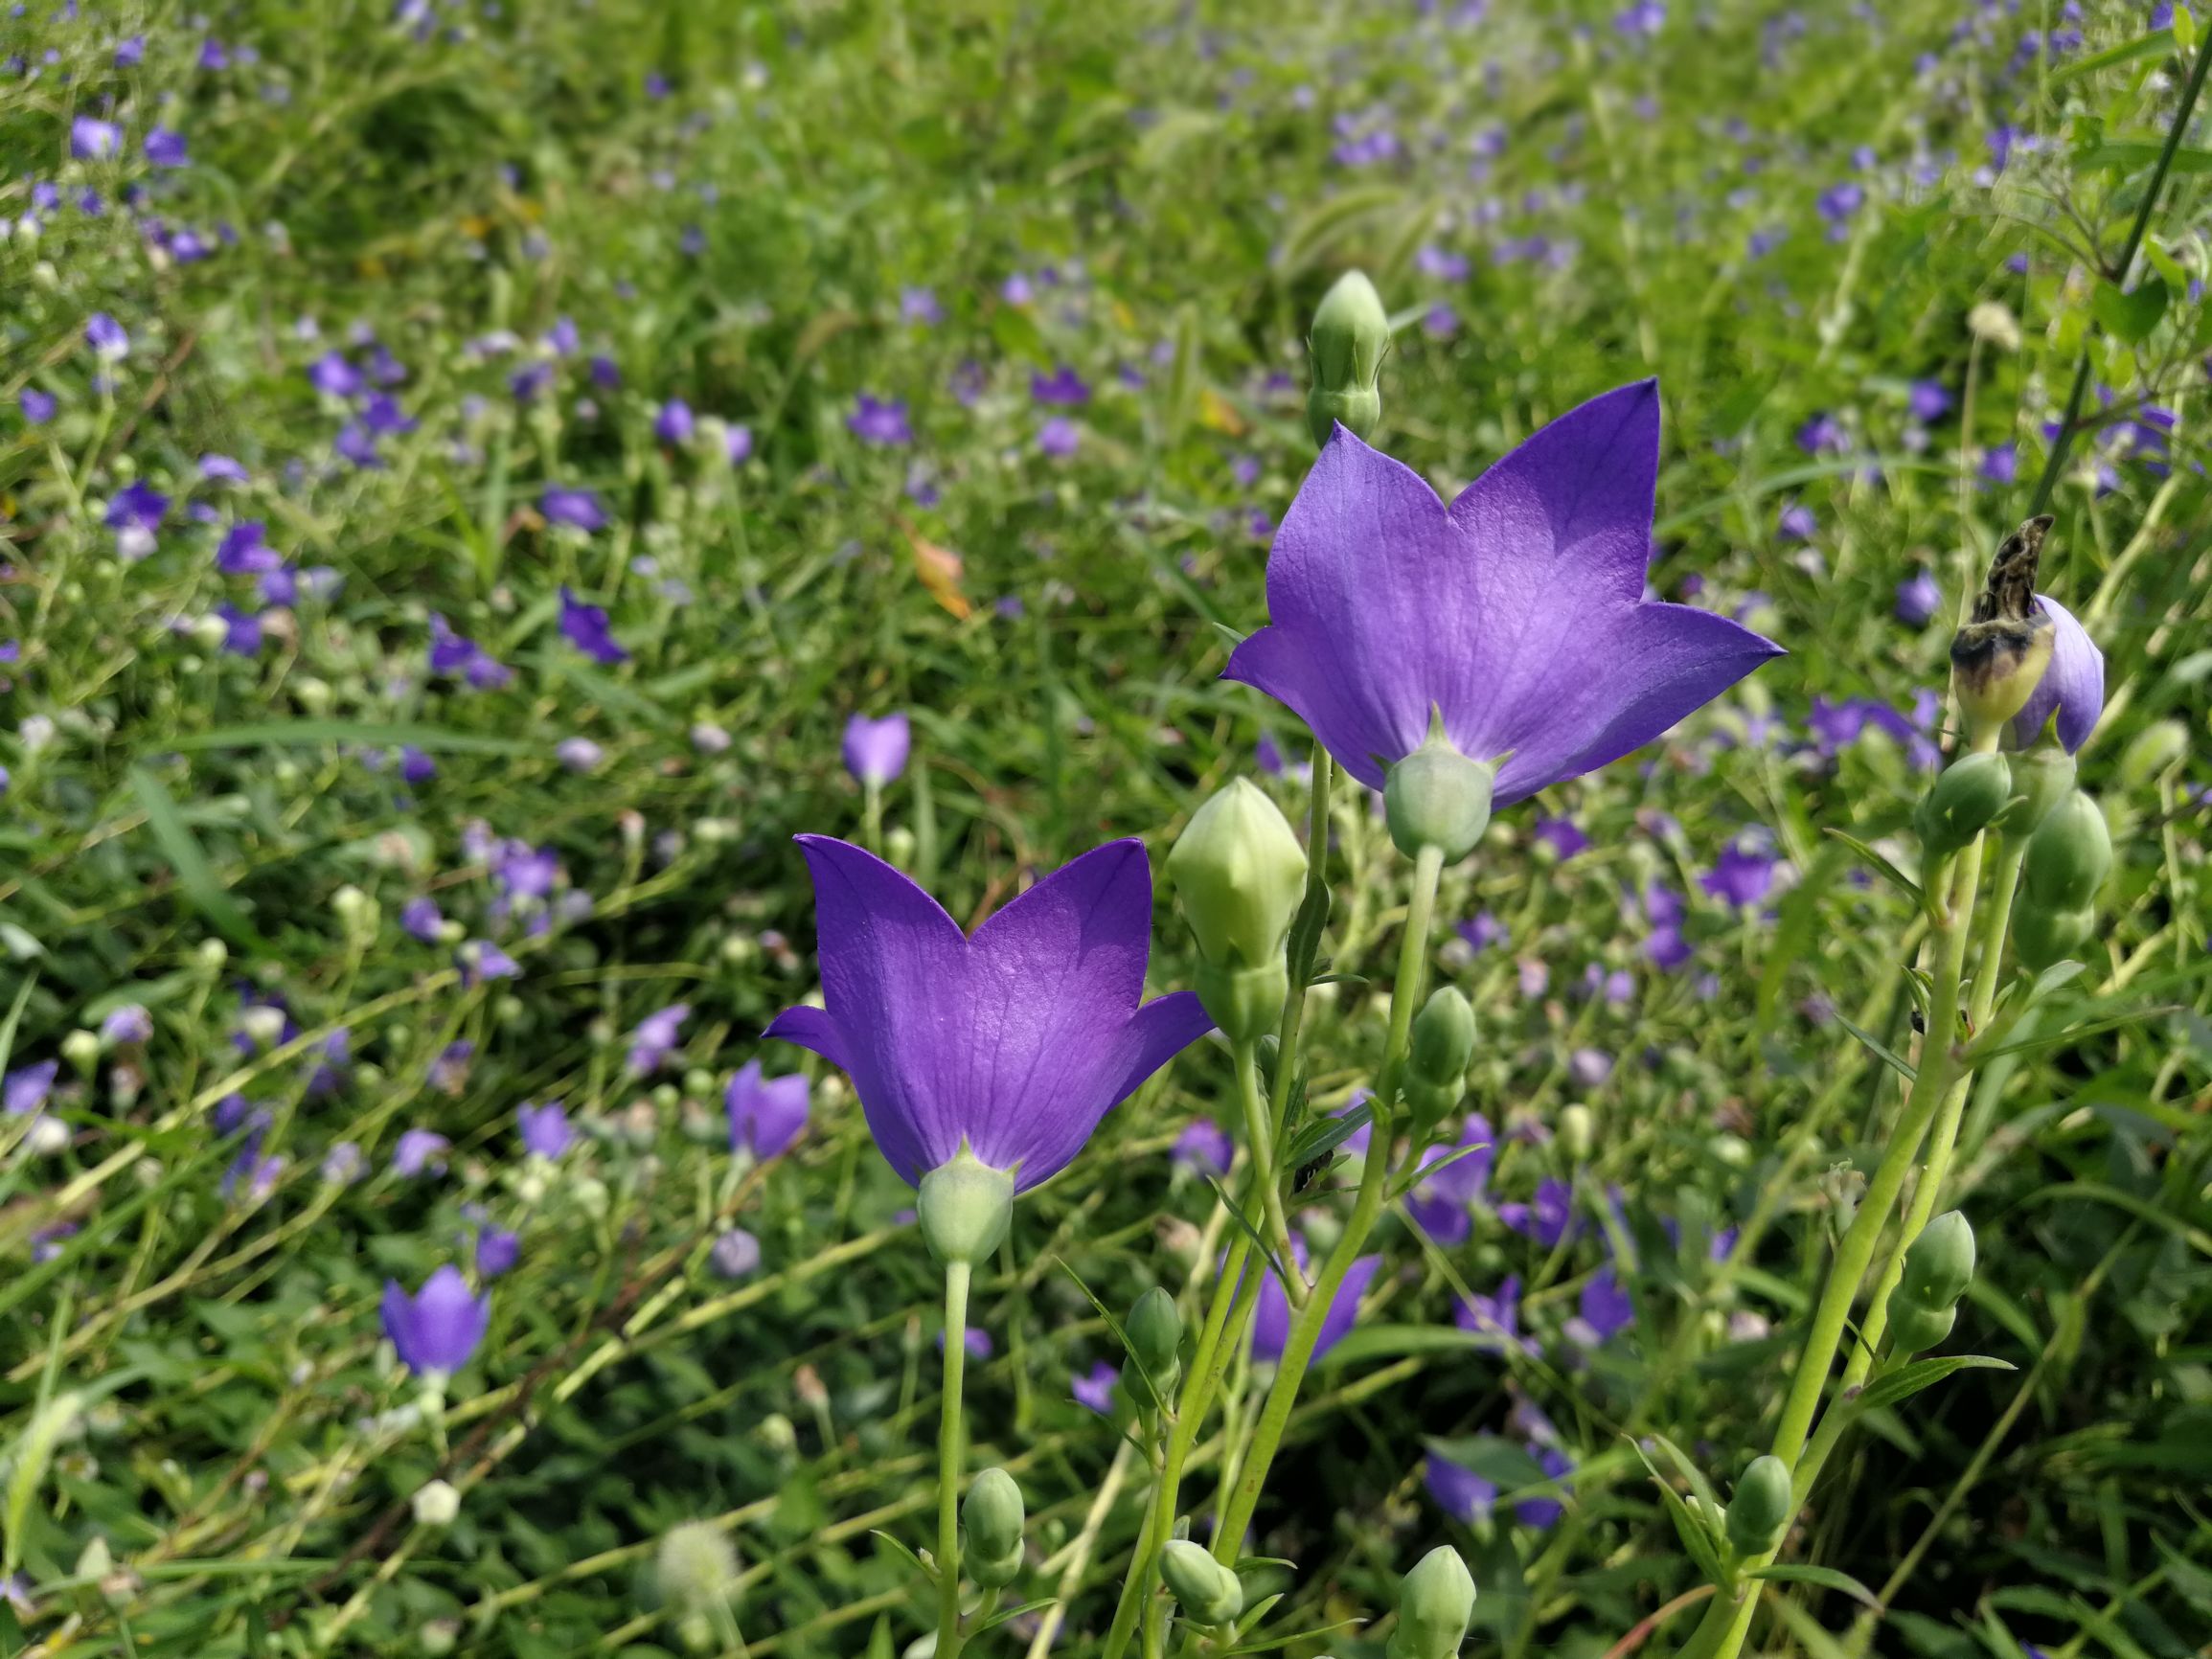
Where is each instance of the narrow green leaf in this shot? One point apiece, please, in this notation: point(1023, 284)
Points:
point(1908, 1380)
point(188, 862)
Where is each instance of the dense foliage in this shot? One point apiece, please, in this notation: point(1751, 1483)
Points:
point(462, 467)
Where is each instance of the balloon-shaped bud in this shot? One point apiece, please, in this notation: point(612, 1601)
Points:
point(2069, 858)
point(1238, 872)
point(993, 1515)
point(2000, 657)
point(1759, 1511)
point(1939, 1263)
point(965, 1208)
point(1963, 802)
point(1578, 1131)
point(1350, 335)
point(2041, 778)
point(1435, 1601)
point(1436, 1065)
point(1208, 1592)
point(1437, 797)
point(1154, 1330)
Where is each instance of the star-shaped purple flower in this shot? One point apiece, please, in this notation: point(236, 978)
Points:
point(766, 1114)
point(1271, 1315)
point(545, 1130)
point(1015, 1042)
point(585, 627)
point(437, 1328)
point(1517, 612)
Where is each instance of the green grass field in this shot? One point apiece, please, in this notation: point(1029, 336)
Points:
point(464, 466)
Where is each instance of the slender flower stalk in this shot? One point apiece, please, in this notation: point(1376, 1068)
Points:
point(1306, 1329)
point(950, 1458)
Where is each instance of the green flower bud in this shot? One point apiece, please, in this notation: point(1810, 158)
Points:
point(1437, 797)
point(1961, 804)
point(1915, 1329)
point(965, 1208)
point(2154, 748)
point(1578, 1131)
point(1349, 337)
point(993, 1515)
point(2043, 937)
point(1939, 1263)
point(1245, 1002)
point(2041, 778)
point(2069, 858)
point(1435, 1601)
point(1760, 1510)
point(1443, 1039)
point(1154, 1330)
point(1239, 873)
point(1208, 1593)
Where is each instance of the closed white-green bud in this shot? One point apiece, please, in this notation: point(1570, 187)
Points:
point(1759, 1511)
point(1578, 1131)
point(1349, 337)
point(81, 1050)
point(1437, 797)
point(2069, 858)
point(1239, 873)
point(1435, 1601)
point(1962, 802)
point(1154, 1330)
point(1208, 1592)
point(696, 1566)
point(965, 1208)
point(436, 1503)
point(1939, 1263)
point(2041, 778)
point(993, 1514)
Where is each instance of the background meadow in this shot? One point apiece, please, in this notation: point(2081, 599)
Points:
point(462, 467)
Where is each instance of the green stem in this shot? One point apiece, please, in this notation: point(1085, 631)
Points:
point(1261, 1140)
point(2135, 234)
point(871, 817)
point(1306, 1329)
point(1721, 1634)
point(949, 1460)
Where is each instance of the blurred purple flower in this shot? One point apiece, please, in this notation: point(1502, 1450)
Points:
point(766, 1114)
point(876, 751)
point(585, 627)
point(1204, 1146)
point(418, 1151)
point(883, 424)
point(655, 1038)
point(439, 1328)
point(1271, 1315)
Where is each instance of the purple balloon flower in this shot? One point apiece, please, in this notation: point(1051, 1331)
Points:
point(165, 147)
point(766, 1114)
point(1495, 1319)
point(876, 751)
point(91, 139)
point(1518, 611)
point(735, 1255)
point(1461, 1493)
point(1438, 1203)
point(656, 1037)
point(437, 1328)
point(1918, 598)
point(25, 1089)
point(38, 406)
point(673, 424)
point(420, 1150)
point(496, 1252)
point(1015, 1042)
point(1096, 1390)
point(1546, 1219)
point(1271, 1316)
point(2072, 687)
point(585, 627)
point(545, 1130)
point(880, 422)
point(1743, 876)
point(1204, 1146)
point(1606, 1308)
point(579, 508)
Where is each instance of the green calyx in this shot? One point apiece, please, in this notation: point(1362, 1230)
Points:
point(1437, 797)
point(1963, 802)
point(965, 1208)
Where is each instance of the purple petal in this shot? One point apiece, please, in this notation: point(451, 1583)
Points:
point(2073, 686)
point(811, 1028)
